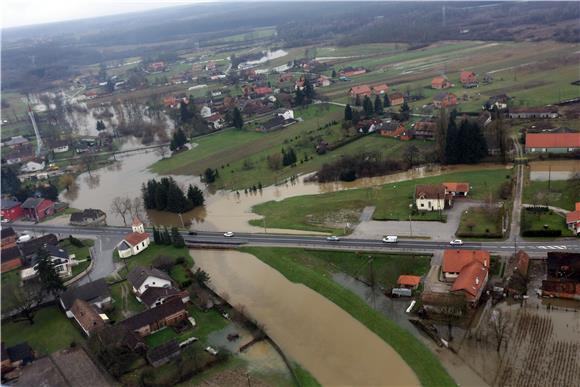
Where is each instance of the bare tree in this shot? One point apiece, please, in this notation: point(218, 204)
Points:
point(88, 160)
point(136, 208)
point(501, 325)
point(122, 207)
point(162, 151)
point(27, 298)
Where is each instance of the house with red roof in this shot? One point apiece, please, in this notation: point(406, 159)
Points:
point(397, 98)
point(36, 209)
point(458, 190)
point(443, 100)
point(552, 142)
point(468, 79)
point(262, 91)
point(468, 270)
point(361, 91)
point(573, 220)
point(441, 82)
point(135, 242)
point(11, 210)
point(380, 89)
point(408, 281)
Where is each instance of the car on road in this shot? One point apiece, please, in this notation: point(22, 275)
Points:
point(456, 242)
point(228, 234)
point(4, 220)
point(390, 239)
point(211, 350)
point(333, 238)
point(23, 238)
point(191, 233)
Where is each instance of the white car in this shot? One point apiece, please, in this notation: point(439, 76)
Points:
point(333, 238)
point(211, 350)
point(390, 239)
point(456, 242)
point(23, 238)
point(228, 234)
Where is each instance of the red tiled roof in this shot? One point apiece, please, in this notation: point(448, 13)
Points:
point(572, 217)
point(361, 90)
point(430, 191)
point(135, 238)
point(577, 206)
point(455, 260)
point(457, 187)
point(382, 88)
point(466, 76)
point(440, 80)
point(409, 280)
point(471, 279)
point(262, 90)
point(553, 140)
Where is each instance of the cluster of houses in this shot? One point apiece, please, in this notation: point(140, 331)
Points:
point(32, 209)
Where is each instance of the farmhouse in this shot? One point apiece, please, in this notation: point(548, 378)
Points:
point(37, 209)
point(455, 260)
point(32, 166)
point(95, 293)
point(432, 197)
point(142, 278)
point(457, 189)
point(425, 129)
point(135, 242)
point(396, 98)
point(380, 89)
point(468, 270)
point(11, 210)
point(443, 100)
point(20, 155)
point(16, 142)
point(392, 129)
point(30, 249)
point(88, 217)
point(87, 317)
point(468, 79)
point(151, 320)
point(62, 263)
point(552, 142)
point(534, 112)
point(215, 121)
point(360, 91)
point(573, 220)
point(154, 296)
point(275, 123)
point(60, 146)
point(440, 82)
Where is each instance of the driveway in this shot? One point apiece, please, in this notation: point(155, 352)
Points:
point(103, 257)
point(373, 229)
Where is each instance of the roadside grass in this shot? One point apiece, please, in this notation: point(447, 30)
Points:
point(51, 331)
point(560, 193)
point(147, 257)
point(425, 365)
point(479, 220)
point(318, 212)
point(539, 221)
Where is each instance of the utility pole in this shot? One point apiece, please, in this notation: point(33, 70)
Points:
point(181, 218)
point(264, 223)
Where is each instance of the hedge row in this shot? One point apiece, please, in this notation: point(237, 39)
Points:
point(542, 233)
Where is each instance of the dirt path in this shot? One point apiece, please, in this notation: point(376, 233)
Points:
point(517, 205)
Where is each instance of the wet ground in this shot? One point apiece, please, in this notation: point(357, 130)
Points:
point(553, 169)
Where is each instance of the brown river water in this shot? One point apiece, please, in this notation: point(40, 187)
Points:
point(224, 210)
point(334, 347)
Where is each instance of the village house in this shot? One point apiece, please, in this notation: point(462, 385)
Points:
point(573, 220)
point(408, 281)
point(534, 112)
point(444, 100)
point(88, 217)
point(142, 278)
point(215, 121)
point(369, 126)
point(19, 155)
point(288, 114)
point(156, 66)
point(154, 296)
point(552, 142)
point(61, 260)
point(11, 258)
point(323, 81)
point(29, 249)
point(441, 82)
point(96, 293)
point(468, 270)
point(563, 280)
point(37, 209)
point(468, 79)
point(205, 111)
point(262, 91)
point(360, 91)
point(425, 129)
point(135, 242)
point(32, 166)
point(458, 190)
point(396, 98)
point(352, 71)
point(11, 210)
point(432, 197)
point(16, 142)
point(168, 314)
point(276, 122)
point(392, 129)
point(87, 318)
point(60, 146)
point(497, 102)
point(285, 77)
point(381, 89)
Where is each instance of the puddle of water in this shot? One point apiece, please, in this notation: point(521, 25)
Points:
point(327, 341)
point(553, 170)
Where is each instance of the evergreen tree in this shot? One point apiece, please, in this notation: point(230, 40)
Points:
point(357, 101)
point(176, 238)
point(451, 151)
point(333, 73)
point(49, 192)
point(185, 111)
point(308, 89)
point(368, 106)
point(161, 197)
point(51, 281)
point(405, 111)
point(288, 157)
point(441, 135)
point(100, 125)
point(299, 97)
point(378, 105)
point(386, 101)
point(156, 236)
point(237, 119)
point(10, 183)
point(209, 175)
point(176, 200)
point(348, 113)
point(195, 196)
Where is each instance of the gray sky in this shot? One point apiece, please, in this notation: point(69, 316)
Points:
point(26, 12)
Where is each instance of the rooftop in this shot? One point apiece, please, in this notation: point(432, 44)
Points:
point(91, 292)
point(139, 274)
point(553, 140)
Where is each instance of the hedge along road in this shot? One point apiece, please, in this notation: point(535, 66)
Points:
point(331, 344)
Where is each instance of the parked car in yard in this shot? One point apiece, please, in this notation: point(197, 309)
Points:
point(211, 350)
point(456, 242)
point(333, 238)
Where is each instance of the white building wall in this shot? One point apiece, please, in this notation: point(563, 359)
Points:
point(154, 281)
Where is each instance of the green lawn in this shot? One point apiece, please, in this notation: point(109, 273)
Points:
point(166, 334)
point(312, 212)
point(479, 221)
point(51, 331)
point(124, 307)
point(425, 365)
point(561, 194)
point(147, 257)
point(206, 322)
point(10, 281)
point(538, 221)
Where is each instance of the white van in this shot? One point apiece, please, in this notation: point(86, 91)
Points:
point(390, 239)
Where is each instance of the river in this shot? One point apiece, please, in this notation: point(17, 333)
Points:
point(334, 347)
point(224, 210)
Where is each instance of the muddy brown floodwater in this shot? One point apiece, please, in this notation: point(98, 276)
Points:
point(224, 210)
point(553, 169)
point(334, 347)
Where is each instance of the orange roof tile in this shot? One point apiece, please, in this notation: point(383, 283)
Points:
point(409, 280)
point(572, 217)
point(135, 238)
point(455, 260)
point(470, 280)
point(553, 140)
point(457, 187)
point(578, 206)
point(362, 90)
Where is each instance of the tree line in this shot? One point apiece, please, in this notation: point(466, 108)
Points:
point(352, 167)
point(164, 237)
point(166, 195)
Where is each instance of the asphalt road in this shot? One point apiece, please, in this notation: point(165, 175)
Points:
point(217, 238)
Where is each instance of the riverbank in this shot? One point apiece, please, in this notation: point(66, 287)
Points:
point(425, 365)
point(329, 212)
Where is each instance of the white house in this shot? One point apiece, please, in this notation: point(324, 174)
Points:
point(60, 148)
point(32, 166)
point(205, 111)
point(288, 114)
point(143, 278)
point(62, 261)
point(135, 242)
point(431, 197)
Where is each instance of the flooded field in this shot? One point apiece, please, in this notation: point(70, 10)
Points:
point(553, 169)
point(334, 347)
point(224, 210)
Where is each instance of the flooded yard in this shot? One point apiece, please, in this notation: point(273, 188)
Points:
point(553, 169)
point(334, 347)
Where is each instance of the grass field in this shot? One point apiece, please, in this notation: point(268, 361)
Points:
point(125, 304)
point(51, 331)
point(153, 251)
point(560, 193)
point(539, 221)
point(425, 365)
point(315, 212)
point(479, 220)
